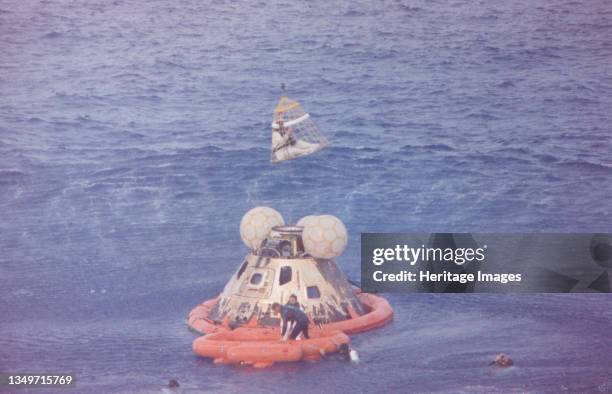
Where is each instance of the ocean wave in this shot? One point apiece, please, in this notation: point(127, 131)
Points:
point(586, 166)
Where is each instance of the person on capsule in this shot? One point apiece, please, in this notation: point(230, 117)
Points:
point(294, 317)
point(293, 301)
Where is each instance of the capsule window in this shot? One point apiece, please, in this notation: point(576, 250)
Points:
point(242, 269)
point(313, 292)
point(285, 249)
point(285, 276)
point(256, 278)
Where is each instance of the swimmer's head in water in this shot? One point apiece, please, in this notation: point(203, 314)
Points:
point(502, 360)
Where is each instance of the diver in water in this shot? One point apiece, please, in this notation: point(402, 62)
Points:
point(294, 317)
point(344, 353)
point(502, 361)
point(173, 387)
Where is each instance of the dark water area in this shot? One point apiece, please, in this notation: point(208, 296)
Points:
point(134, 136)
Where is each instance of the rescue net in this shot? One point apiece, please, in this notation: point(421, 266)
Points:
point(294, 134)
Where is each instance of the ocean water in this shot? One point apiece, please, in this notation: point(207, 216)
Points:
point(135, 134)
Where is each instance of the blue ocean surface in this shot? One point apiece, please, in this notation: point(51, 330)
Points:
point(135, 134)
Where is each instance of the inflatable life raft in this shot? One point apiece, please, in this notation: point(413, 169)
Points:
point(260, 346)
point(241, 346)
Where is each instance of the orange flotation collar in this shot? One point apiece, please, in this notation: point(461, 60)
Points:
point(260, 347)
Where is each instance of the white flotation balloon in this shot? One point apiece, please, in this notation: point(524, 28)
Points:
point(305, 220)
point(324, 236)
point(256, 225)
